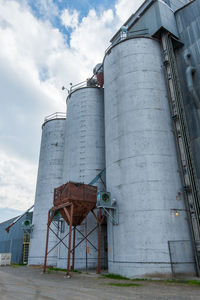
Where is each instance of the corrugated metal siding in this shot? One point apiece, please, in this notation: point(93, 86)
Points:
point(188, 23)
point(13, 241)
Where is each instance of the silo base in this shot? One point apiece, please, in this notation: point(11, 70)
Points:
point(152, 270)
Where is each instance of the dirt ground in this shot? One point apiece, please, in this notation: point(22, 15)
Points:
point(27, 283)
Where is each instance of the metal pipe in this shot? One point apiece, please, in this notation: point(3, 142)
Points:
point(182, 140)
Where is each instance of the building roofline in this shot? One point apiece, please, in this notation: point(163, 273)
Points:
point(135, 16)
point(187, 4)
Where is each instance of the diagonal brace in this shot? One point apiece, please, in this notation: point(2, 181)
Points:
point(85, 238)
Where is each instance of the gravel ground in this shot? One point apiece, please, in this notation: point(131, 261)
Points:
point(28, 283)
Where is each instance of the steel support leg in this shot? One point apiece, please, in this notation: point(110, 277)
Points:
point(73, 253)
point(99, 243)
point(47, 242)
point(86, 248)
point(70, 237)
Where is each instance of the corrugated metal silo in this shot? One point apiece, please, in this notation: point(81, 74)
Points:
point(142, 172)
point(84, 158)
point(50, 172)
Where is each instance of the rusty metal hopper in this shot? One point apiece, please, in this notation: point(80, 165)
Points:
point(82, 196)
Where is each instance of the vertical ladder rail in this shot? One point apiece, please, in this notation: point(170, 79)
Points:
point(188, 172)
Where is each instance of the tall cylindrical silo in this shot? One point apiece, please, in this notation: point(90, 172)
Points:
point(50, 172)
point(84, 158)
point(142, 172)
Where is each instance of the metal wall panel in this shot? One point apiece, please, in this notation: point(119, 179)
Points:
point(84, 158)
point(12, 242)
point(188, 23)
point(50, 172)
point(142, 172)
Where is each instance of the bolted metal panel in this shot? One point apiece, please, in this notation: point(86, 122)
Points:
point(189, 30)
point(150, 17)
point(82, 196)
point(142, 172)
point(176, 4)
point(84, 155)
point(157, 16)
point(50, 172)
point(84, 158)
point(12, 242)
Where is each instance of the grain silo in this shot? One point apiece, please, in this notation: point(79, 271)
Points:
point(142, 172)
point(50, 172)
point(83, 159)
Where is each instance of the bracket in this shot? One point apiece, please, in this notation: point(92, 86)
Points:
point(112, 212)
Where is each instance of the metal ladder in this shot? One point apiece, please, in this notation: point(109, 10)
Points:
point(188, 173)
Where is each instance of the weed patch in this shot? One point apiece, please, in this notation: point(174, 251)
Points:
point(123, 284)
point(183, 281)
point(116, 276)
point(63, 270)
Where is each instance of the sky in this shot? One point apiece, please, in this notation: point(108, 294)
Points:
point(45, 44)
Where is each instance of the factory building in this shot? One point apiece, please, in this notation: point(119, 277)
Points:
point(16, 240)
point(142, 126)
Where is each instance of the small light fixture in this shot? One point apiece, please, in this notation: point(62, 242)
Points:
point(176, 213)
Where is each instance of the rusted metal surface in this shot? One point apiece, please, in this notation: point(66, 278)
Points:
point(73, 254)
point(74, 201)
point(82, 196)
point(50, 218)
point(99, 218)
point(70, 236)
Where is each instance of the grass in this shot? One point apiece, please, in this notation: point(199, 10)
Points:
point(183, 281)
point(119, 277)
point(191, 282)
point(63, 270)
point(76, 271)
point(123, 284)
point(142, 279)
point(116, 276)
point(56, 269)
point(17, 265)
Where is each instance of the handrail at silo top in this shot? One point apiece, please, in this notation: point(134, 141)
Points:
point(78, 86)
point(56, 115)
point(127, 35)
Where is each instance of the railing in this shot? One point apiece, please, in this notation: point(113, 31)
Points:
point(56, 115)
point(86, 83)
point(124, 35)
point(78, 86)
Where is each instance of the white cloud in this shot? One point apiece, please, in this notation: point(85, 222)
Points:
point(125, 8)
point(47, 8)
point(91, 37)
point(35, 63)
point(17, 181)
point(70, 18)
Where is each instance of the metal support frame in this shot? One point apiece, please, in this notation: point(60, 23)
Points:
point(70, 217)
point(115, 219)
point(99, 218)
